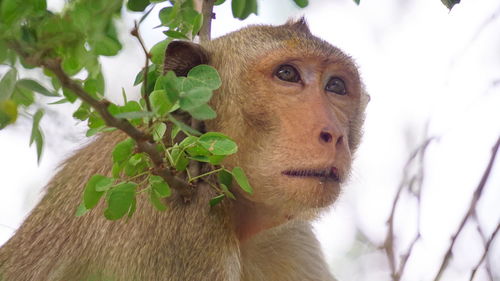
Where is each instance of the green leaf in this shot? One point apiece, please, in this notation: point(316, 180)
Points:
point(36, 134)
point(238, 7)
point(39, 5)
point(68, 94)
point(160, 186)
point(7, 84)
point(104, 184)
point(449, 3)
point(250, 7)
point(197, 23)
point(218, 144)
point(225, 177)
point(175, 131)
point(169, 15)
point(82, 113)
point(158, 131)
point(120, 200)
point(216, 200)
point(8, 113)
point(242, 179)
point(171, 84)
point(188, 142)
point(304, 3)
point(105, 45)
point(81, 210)
point(194, 98)
point(36, 87)
point(136, 164)
point(133, 208)
point(61, 101)
point(176, 34)
point(183, 127)
point(133, 115)
point(219, 2)
point(180, 161)
point(23, 96)
point(91, 196)
point(357, 2)
point(158, 52)
point(160, 102)
point(155, 200)
point(137, 5)
point(123, 150)
point(206, 76)
point(226, 191)
point(95, 86)
point(11, 10)
point(203, 112)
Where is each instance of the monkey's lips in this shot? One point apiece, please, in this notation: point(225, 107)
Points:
point(328, 174)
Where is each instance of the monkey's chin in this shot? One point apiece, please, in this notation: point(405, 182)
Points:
point(314, 192)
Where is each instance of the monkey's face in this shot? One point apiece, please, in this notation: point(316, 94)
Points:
point(300, 118)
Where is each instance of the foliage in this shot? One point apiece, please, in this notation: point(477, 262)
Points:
point(150, 161)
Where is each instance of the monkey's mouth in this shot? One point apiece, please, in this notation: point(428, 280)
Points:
point(328, 174)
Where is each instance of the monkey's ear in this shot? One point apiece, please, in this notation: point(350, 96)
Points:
point(299, 25)
point(181, 56)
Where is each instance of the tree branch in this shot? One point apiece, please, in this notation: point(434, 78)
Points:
point(485, 252)
point(144, 141)
point(472, 206)
point(206, 10)
point(208, 15)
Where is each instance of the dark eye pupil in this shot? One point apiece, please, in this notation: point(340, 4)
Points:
point(337, 86)
point(288, 73)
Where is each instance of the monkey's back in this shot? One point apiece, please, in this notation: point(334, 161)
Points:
point(54, 244)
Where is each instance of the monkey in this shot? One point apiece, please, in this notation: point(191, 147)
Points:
point(294, 104)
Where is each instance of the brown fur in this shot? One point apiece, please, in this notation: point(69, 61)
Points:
point(266, 236)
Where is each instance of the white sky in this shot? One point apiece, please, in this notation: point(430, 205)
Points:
point(421, 65)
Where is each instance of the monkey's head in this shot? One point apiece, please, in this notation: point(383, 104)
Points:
point(293, 103)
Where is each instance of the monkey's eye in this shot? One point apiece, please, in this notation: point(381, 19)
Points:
point(336, 85)
point(287, 73)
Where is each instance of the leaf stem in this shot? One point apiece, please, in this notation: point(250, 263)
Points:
point(206, 174)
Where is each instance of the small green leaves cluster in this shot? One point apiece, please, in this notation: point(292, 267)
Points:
point(120, 195)
point(77, 37)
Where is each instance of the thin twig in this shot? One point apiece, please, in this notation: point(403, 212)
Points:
point(475, 198)
point(484, 238)
point(145, 96)
point(485, 252)
point(419, 179)
point(390, 237)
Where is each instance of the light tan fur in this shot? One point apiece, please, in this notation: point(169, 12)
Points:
point(266, 236)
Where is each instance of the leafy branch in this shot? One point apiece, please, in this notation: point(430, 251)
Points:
point(143, 140)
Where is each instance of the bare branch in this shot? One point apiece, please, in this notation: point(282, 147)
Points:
point(145, 96)
point(389, 242)
point(472, 206)
point(482, 234)
point(485, 252)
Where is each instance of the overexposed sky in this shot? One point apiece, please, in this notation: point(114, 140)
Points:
point(424, 67)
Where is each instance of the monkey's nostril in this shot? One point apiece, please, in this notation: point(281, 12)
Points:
point(340, 140)
point(326, 137)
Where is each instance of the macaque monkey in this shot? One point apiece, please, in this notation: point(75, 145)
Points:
point(293, 103)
